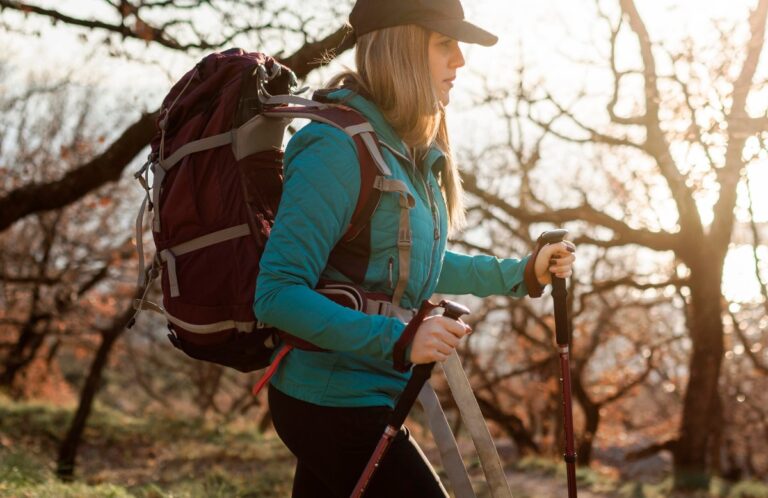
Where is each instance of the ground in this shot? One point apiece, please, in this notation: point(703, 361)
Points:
point(164, 457)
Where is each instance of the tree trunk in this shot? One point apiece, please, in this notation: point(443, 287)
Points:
point(701, 395)
point(65, 466)
point(25, 349)
point(512, 425)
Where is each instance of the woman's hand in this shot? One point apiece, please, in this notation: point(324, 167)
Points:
point(436, 338)
point(555, 258)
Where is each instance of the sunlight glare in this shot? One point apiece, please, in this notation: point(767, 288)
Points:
point(740, 284)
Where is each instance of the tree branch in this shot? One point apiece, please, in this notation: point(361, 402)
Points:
point(660, 241)
point(631, 282)
point(755, 244)
point(656, 143)
point(760, 366)
point(729, 176)
point(109, 166)
point(140, 31)
point(103, 169)
point(651, 450)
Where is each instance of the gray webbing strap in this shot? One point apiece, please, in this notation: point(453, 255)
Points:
point(392, 185)
point(358, 129)
point(169, 255)
point(386, 308)
point(196, 146)
point(208, 328)
point(170, 267)
point(211, 239)
point(158, 175)
point(294, 99)
point(404, 239)
point(446, 443)
point(473, 419)
point(143, 304)
point(404, 245)
point(277, 113)
point(140, 240)
point(372, 145)
point(366, 135)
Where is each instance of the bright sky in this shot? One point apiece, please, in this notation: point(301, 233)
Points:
point(549, 36)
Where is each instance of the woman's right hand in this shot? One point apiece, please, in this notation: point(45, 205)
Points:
point(436, 338)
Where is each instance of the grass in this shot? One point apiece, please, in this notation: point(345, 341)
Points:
point(596, 482)
point(150, 457)
point(718, 488)
point(164, 457)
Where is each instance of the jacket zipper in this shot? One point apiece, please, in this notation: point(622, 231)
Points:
point(391, 266)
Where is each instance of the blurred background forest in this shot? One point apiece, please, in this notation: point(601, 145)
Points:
point(639, 126)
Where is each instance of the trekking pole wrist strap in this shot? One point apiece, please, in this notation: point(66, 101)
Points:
point(401, 362)
point(535, 289)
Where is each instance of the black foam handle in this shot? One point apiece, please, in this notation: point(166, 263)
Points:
point(553, 236)
point(453, 310)
point(559, 292)
point(421, 373)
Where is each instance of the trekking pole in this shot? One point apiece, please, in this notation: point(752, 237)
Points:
point(419, 376)
point(562, 335)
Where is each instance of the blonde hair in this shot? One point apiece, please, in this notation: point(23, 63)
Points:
point(393, 70)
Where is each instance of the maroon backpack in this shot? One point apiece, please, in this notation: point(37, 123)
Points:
point(217, 175)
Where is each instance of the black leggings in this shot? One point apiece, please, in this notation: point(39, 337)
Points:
point(333, 445)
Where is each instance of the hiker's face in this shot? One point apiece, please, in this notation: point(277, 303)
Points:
point(445, 58)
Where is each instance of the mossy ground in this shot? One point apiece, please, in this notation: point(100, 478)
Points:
point(166, 457)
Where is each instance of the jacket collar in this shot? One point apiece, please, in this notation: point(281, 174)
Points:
point(435, 158)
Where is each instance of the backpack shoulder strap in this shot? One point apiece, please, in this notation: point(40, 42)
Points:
point(375, 178)
point(372, 163)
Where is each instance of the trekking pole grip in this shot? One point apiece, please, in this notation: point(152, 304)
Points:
point(421, 373)
point(559, 292)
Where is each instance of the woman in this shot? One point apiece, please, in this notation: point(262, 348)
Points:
point(331, 407)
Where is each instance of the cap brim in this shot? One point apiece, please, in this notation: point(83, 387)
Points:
point(463, 31)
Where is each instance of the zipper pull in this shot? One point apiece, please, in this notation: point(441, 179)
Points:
point(391, 266)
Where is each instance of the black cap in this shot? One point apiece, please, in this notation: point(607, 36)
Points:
point(443, 16)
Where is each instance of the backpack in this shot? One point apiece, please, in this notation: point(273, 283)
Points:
point(216, 162)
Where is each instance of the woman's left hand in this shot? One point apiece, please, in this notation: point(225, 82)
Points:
point(555, 258)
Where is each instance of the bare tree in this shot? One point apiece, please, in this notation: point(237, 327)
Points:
point(54, 261)
point(717, 130)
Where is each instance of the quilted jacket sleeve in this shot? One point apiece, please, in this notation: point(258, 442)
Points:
point(483, 275)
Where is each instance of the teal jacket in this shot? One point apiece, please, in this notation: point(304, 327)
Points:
point(322, 182)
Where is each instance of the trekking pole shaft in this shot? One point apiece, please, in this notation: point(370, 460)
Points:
point(570, 451)
point(419, 376)
point(373, 462)
point(559, 294)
